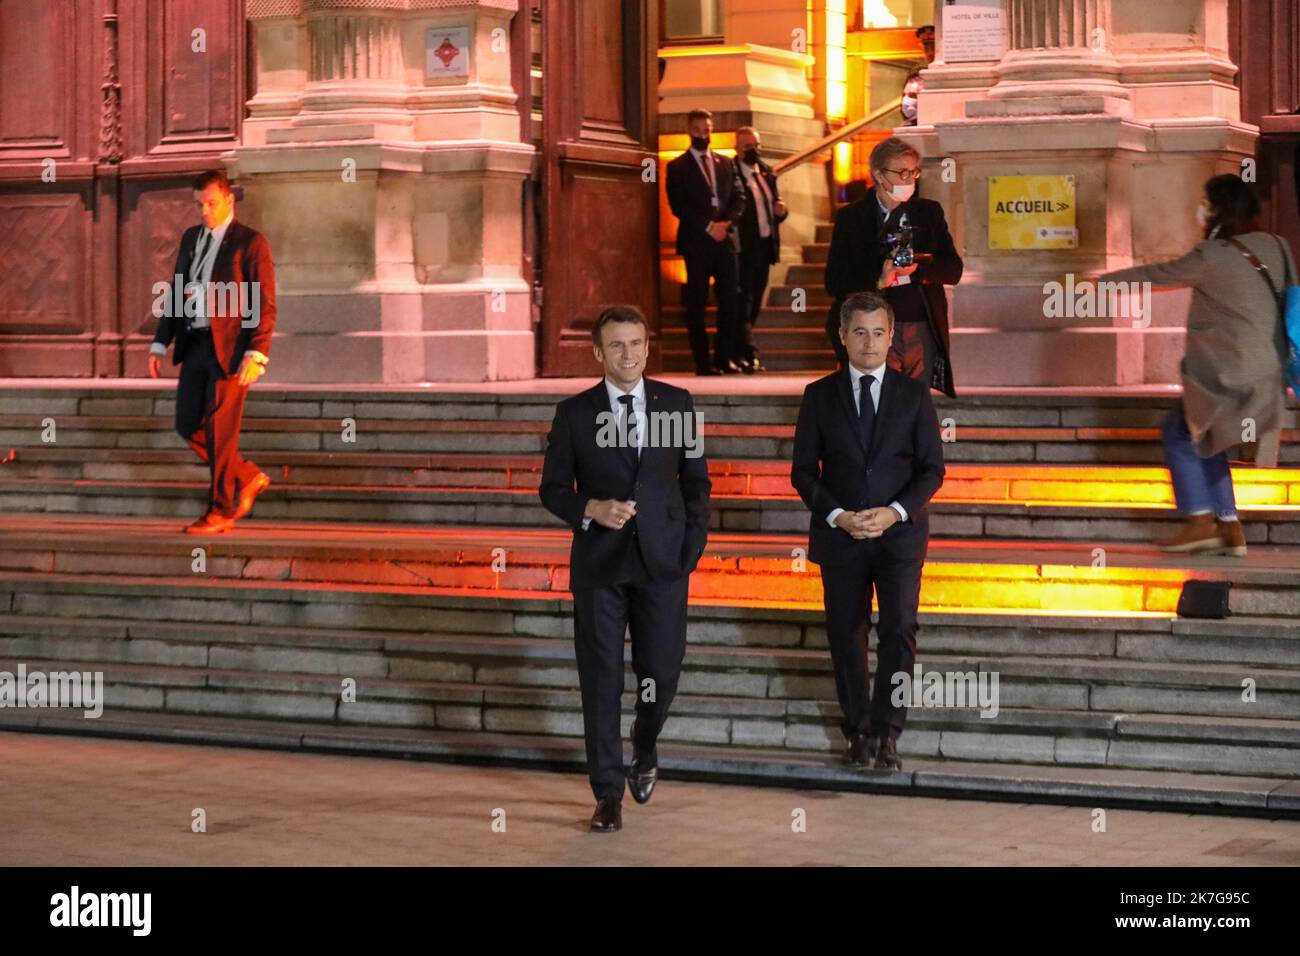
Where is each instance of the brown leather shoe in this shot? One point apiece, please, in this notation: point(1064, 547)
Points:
point(210, 523)
point(1198, 533)
point(249, 494)
point(887, 756)
point(1232, 538)
point(862, 750)
point(608, 817)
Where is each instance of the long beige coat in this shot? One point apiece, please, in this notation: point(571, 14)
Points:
point(1236, 342)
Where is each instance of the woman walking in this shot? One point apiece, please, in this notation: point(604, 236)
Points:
point(1232, 372)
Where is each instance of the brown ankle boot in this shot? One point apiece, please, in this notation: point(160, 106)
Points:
point(1232, 538)
point(1198, 533)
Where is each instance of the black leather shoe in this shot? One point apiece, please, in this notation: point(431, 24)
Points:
point(608, 817)
point(643, 772)
point(862, 750)
point(728, 368)
point(887, 756)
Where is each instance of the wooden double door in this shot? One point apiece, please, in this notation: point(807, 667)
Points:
point(108, 109)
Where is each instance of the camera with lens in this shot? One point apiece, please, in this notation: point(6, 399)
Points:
point(898, 247)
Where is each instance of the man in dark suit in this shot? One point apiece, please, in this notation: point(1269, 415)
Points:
point(869, 235)
point(867, 459)
point(625, 470)
point(708, 200)
point(222, 342)
point(760, 239)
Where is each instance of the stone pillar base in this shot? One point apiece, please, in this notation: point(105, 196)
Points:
point(391, 337)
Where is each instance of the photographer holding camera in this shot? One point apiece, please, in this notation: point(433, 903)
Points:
point(897, 243)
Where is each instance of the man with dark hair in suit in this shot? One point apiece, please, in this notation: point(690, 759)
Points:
point(867, 459)
point(708, 200)
point(639, 509)
point(870, 247)
point(222, 342)
point(760, 239)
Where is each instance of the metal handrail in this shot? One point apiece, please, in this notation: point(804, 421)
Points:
point(841, 134)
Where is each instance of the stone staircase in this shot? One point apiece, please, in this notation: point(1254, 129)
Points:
point(787, 340)
point(416, 562)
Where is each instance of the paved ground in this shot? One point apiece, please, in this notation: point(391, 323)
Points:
point(73, 801)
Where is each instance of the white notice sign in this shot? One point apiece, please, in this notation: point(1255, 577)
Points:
point(973, 32)
point(446, 53)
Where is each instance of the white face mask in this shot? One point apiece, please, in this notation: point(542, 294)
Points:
point(908, 109)
point(903, 191)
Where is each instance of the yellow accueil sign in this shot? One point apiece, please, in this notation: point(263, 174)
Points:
point(1032, 212)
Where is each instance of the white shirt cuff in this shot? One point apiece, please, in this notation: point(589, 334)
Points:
point(157, 348)
point(830, 518)
point(902, 512)
point(586, 523)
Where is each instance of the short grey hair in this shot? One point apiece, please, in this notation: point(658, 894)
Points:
point(864, 302)
point(887, 150)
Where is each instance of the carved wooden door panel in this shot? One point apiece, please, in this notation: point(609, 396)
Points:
point(108, 108)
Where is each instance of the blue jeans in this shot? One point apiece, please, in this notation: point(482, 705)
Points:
point(1200, 484)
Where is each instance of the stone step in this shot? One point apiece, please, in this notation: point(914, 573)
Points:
point(768, 339)
point(251, 614)
point(762, 569)
point(812, 362)
point(745, 501)
point(762, 673)
point(952, 779)
point(968, 440)
point(388, 500)
point(762, 400)
point(1024, 485)
point(1255, 746)
point(673, 321)
point(814, 295)
point(806, 275)
point(816, 252)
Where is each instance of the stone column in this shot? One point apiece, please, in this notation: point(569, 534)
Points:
point(1136, 102)
point(391, 198)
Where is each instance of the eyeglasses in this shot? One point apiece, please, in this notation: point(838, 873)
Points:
point(906, 175)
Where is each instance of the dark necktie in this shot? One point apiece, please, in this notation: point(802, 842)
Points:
point(632, 450)
point(866, 411)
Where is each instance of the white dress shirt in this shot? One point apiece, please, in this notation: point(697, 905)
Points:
point(757, 186)
point(705, 160)
point(878, 379)
point(638, 414)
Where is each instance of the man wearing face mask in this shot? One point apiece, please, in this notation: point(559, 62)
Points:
point(760, 239)
point(912, 87)
point(705, 194)
point(871, 244)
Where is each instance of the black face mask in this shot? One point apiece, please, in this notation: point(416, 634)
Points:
point(750, 156)
point(700, 142)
